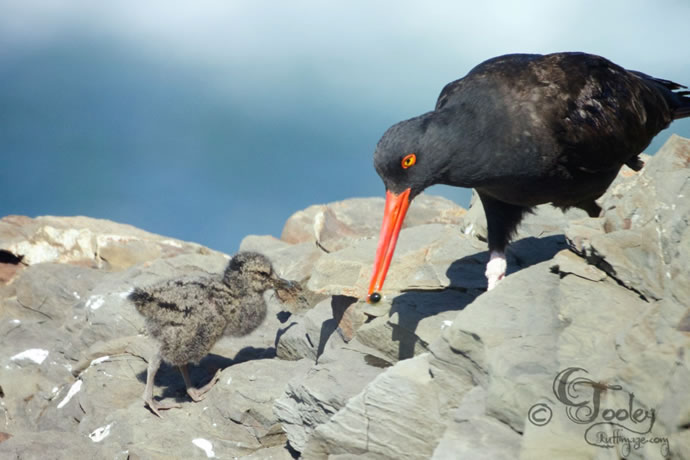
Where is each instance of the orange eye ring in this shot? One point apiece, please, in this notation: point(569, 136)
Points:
point(409, 160)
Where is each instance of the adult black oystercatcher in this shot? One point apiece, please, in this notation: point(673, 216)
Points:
point(523, 129)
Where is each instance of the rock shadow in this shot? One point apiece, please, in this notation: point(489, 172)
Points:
point(170, 379)
point(467, 282)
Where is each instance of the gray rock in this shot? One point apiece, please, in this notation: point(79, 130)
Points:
point(438, 369)
point(422, 259)
point(55, 445)
point(84, 240)
point(396, 416)
point(311, 399)
point(269, 453)
point(292, 262)
point(510, 343)
point(427, 257)
point(248, 393)
point(646, 226)
point(412, 322)
point(544, 220)
point(361, 218)
point(472, 434)
point(305, 335)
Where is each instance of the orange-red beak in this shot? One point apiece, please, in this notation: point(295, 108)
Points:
point(393, 216)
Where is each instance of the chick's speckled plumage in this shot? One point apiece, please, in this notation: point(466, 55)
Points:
point(188, 315)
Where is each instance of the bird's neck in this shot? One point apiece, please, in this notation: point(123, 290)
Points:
point(456, 141)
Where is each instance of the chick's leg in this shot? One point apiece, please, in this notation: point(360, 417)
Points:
point(197, 394)
point(155, 406)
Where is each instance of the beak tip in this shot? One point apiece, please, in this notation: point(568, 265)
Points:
point(374, 297)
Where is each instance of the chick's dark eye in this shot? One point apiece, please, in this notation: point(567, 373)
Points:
point(409, 160)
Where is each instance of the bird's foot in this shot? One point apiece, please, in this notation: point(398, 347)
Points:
point(155, 406)
point(495, 269)
point(199, 394)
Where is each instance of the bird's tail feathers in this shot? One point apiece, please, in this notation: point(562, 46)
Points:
point(682, 98)
point(684, 110)
point(141, 299)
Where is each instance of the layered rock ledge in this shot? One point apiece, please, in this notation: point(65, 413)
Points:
point(439, 369)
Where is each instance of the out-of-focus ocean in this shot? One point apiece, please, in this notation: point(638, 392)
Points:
point(208, 121)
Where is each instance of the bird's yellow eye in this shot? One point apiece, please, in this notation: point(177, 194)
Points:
point(409, 160)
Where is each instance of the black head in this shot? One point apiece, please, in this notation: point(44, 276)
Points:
point(411, 155)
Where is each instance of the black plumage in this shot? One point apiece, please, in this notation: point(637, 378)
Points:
point(188, 315)
point(523, 130)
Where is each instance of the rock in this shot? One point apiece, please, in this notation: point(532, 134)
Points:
point(85, 240)
point(438, 369)
point(348, 271)
point(427, 257)
point(544, 220)
point(508, 345)
point(292, 262)
point(310, 399)
point(270, 453)
point(568, 263)
point(413, 321)
point(407, 417)
point(58, 445)
point(646, 226)
point(305, 336)
point(252, 388)
point(361, 218)
point(72, 359)
point(472, 434)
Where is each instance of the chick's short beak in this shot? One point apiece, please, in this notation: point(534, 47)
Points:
point(285, 290)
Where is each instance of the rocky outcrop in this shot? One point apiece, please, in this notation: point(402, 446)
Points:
point(438, 369)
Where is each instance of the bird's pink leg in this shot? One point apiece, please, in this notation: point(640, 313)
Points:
point(197, 394)
point(495, 269)
point(154, 364)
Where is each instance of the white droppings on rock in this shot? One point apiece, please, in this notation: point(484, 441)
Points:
point(99, 434)
point(73, 390)
point(124, 294)
point(37, 355)
point(55, 390)
point(99, 360)
point(76, 295)
point(446, 323)
point(469, 228)
point(205, 445)
point(15, 321)
point(229, 381)
point(95, 302)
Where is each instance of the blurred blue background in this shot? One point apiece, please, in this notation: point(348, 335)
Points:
point(210, 120)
